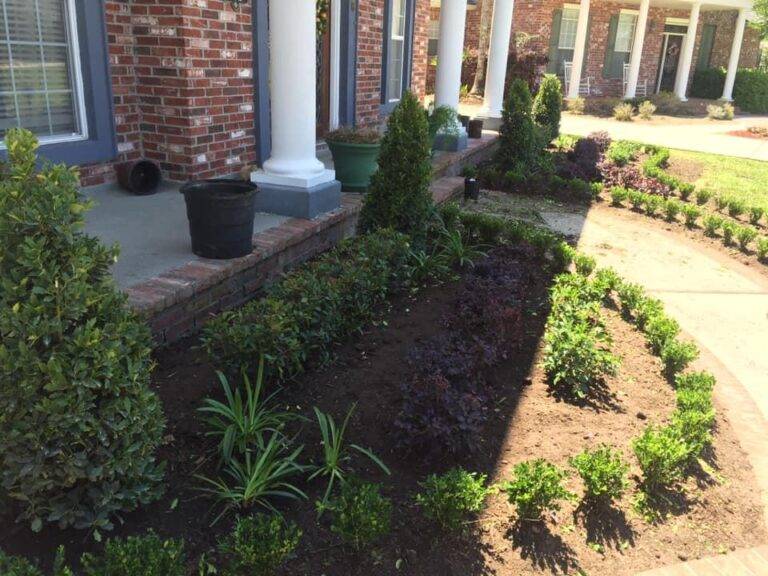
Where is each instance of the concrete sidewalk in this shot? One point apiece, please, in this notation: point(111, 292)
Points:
point(696, 134)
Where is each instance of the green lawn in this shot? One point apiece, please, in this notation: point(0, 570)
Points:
point(746, 179)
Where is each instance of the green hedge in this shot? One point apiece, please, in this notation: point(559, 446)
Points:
point(750, 91)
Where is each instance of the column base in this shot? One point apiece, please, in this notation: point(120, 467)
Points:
point(296, 201)
point(451, 142)
point(490, 122)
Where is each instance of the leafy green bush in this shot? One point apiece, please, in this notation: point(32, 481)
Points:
point(585, 265)
point(676, 355)
point(736, 207)
point(138, 556)
point(756, 214)
point(547, 105)
point(360, 514)
point(603, 472)
point(686, 190)
point(79, 425)
point(750, 90)
point(258, 545)
point(16, 566)
point(729, 231)
point(662, 454)
point(619, 195)
point(694, 427)
point(652, 204)
point(712, 223)
point(577, 105)
point(517, 136)
point(672, 208)
point(622, 152)
point(449, 498)
point(708, 83)
point(745, 235)
point(646, 109)
point(698, 381)
point(721, 202)
point(659, 330)
point(636, 199)
point(720, 111)
point(399, 196)
point(703, 195)
point(691, 213)
point(536, 486)
point(312, 308)
point(623, 112)
point(762, 248)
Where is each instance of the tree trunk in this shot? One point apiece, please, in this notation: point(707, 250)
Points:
point(486, 13)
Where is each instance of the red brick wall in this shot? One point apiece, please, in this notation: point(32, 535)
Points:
point(420, 48)
point(370, 38)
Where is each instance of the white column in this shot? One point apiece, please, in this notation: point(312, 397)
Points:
point(733, 61)
point(579, 49)
point(453, 15)
point(498, 55)
point(293, 71)
point(681, 86)
point(637, 49)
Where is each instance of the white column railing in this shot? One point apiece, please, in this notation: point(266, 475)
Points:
point(637, 49)
point(453, 15)
point(733, 61)
point(498, 56)
point(579, 50)
point(683, 73)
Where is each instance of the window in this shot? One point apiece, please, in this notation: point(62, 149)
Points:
point(434, 37)
point(41, 86)
point(625, 32)
point(396, 55)
point(568, 22)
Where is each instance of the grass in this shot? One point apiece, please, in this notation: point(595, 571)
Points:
point(736, 177)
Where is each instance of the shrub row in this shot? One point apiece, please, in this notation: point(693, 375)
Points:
point(750, 90)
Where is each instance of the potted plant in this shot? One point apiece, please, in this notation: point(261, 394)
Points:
point(355, 156)
point(445, 130)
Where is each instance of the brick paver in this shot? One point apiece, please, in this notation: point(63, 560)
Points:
point(750, 562)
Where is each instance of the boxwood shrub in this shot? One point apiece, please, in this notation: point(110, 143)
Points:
point(750, 90)
point(79, 425)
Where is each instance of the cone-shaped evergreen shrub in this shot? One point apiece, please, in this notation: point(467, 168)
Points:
point(517, 136)
point(547, 105)
point(399, 196)
point(78, 423)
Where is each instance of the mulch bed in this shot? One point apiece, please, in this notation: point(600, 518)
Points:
point(525, 422)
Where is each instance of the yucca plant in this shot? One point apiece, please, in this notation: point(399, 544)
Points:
point(458, 252)
point(263, 475)
point(240, 423)
point(335, 453)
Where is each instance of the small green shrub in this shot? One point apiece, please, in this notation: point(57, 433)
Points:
point(723, 111)
point(652, 204)
point(577, 105)
point(585, 265)
point(686, 190)
point(694, 397)
point(703, 196)
point(736, 207)
point(603, 472)
point(699, 381)
point(659, 330)
point(672, 208)
point(676, 355)
point(729, 231)
point(745, 236)
point(662, 454)
point(712, 223)
point(360, 515)
point(606, 280)
point(694, 427)
point(622, 152)
point(623, 112)
point(636, 199)
point(646, 109)
point(399, 196)
point(258, 545)
point(536, 487)
point(762, 248)
point(138, 556)
point(449, 498)
point(756, 214)
point(750, 91)
point(562, 255)
point(547, 105)
point(518, 145)
point(16, 566)
point(79, 425)
point(619, 195)
point(691, 213)
point(721, 202)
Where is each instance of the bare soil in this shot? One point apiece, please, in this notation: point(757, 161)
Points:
point(714, 513)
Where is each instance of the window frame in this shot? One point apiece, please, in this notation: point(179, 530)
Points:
point(634, 14)
point(98, 143)
point(568, 8)
point(386, 104)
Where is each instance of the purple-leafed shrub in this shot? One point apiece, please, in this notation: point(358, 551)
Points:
point(631, 178)
point(589, 152)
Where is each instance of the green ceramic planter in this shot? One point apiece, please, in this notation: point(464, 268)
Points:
point(354, 164)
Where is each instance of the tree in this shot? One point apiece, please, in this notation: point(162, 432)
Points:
point(399, 196)
point(486, 14)
point(517, 136)
point(547, 105)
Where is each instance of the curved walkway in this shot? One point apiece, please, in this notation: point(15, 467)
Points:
point(719, 302)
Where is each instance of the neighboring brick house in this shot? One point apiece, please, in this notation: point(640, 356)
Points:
point(184, 82)
point(609, 39)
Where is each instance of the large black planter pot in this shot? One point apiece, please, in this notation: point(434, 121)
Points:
point(141, 177)
point(220, 214)
point(471, 189)
point(475, 129)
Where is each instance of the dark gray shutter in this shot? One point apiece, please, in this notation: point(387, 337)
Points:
point(705, 48)
point(554, 40)
point(608, 63)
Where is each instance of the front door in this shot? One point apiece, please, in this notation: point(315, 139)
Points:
point(670, 57)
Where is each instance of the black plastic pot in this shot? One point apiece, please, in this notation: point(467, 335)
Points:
point(471, 189)
point(220, 214)
point(464, 119)
point(141, 177)
point(475, 129)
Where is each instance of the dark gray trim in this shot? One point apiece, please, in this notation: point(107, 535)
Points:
point(348, 58)
point(97, 88)
point(410, 16)
point(261, 109)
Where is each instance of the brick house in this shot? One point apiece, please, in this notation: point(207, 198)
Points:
point(186, 83)
point(548, 28)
